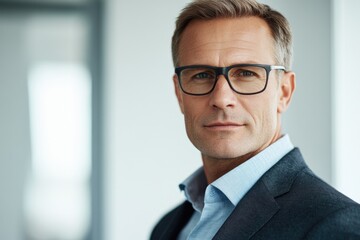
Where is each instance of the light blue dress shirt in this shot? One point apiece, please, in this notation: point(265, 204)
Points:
point(214, 203)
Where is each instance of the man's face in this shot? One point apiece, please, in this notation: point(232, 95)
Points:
point(224, 124)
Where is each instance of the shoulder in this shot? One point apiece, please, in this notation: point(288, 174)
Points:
point(329, 213)
point(292, 179)
point(337, 216)
point(341, 224)
point(309, 206)
point(311, 195)
point(319, 193)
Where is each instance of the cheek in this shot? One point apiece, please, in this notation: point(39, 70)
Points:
point(271, 115)
point(192, 113)
point(188, 117)
point(264, 113)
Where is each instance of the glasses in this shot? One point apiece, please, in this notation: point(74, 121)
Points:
point(245, 79)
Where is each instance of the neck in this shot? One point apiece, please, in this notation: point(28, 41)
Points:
point(214, 168)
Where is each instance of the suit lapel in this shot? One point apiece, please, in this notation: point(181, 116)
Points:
point(252, 212)
point(259, 205)
point(179, 219)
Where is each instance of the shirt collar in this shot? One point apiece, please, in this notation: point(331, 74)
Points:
point(194, 188)
point(237, 182)
point(243, 176)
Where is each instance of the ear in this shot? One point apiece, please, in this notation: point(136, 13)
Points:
point(178, 93)
point(286, 91)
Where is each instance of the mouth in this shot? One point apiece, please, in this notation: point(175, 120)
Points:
point(223, 125)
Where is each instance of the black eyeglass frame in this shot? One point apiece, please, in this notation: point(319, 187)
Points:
point(224, 71)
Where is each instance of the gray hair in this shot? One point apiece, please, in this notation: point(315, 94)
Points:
point(213, 9)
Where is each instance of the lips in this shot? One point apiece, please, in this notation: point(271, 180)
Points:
point(223, 124)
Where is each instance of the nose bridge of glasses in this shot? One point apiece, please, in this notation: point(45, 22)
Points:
point(220, 70)
point(224, 72)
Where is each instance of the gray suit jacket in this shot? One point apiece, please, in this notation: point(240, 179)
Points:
point(287, 202)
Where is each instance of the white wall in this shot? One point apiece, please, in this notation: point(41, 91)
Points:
point(25, 41)
point(147, 151)
point(308, 120)
point(346, 97)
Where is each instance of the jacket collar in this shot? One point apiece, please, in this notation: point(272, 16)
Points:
point(180, 216)
point(259, 205)
point(255, 209)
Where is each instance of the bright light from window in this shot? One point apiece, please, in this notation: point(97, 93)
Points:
point(57, 202)
point(60, 114)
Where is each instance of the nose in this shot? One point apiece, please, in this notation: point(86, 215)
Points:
point(222, 96)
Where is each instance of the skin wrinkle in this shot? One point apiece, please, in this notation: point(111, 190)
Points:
point(214, 49)
point(243, 43)
point(209, 43)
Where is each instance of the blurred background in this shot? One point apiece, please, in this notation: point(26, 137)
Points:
point(92, 142)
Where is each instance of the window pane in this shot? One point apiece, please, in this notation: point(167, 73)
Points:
point(45, 77)
point(59, 96)
point(73, 2)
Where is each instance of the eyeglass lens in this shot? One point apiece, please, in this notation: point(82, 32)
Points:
point(243, 79)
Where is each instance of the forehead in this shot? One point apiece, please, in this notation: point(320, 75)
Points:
point(227, 41)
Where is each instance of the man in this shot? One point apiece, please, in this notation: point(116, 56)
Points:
point(233, 81)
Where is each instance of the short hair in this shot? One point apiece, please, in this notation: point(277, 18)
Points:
point(214, 9)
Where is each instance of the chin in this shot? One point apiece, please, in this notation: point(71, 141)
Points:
point(225, 153)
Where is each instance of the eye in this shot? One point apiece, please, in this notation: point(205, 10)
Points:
point(197, 75)
point(203, 75)
point(244, 73)
point(247, 73)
